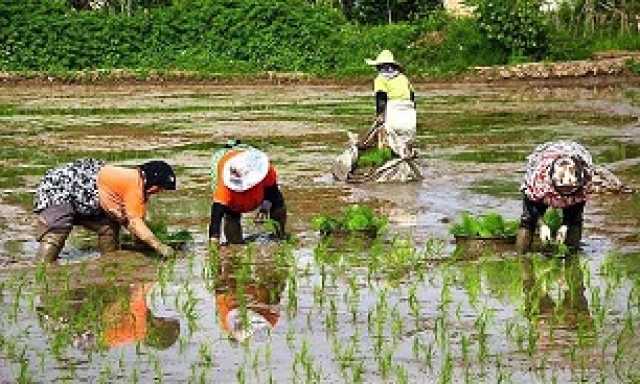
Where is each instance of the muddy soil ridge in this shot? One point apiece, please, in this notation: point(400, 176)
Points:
point(607, 67)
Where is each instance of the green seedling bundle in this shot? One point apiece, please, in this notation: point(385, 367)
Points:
point(355, 219)
point(159, 228)
point(375, 157)
point(489, 225)
point(553, 219)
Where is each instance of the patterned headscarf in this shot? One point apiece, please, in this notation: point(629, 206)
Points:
point(538, 184)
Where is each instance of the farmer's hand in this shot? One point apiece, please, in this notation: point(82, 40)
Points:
point(545, 233)
point(166, 251)
point(263, 212)
point(561, 236)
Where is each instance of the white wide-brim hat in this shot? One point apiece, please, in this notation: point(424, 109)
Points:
point(245, 170)
point(384, 57)
point(254, 325)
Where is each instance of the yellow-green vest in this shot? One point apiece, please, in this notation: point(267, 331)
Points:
point(398, 88)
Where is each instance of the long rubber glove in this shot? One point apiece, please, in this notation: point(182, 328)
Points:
point(139, 229)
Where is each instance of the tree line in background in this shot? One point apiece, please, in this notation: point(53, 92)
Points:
point(323, 37)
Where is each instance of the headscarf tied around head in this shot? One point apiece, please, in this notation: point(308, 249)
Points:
point(158, 173)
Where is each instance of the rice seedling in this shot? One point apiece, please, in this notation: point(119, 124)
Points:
point(414, 304)
point(206, 355)
point(241, 375)
point(402, 376)
point(304, 359)
point(292, 295)
point(446, 370)
point(291, 337)
point(397, 325)
point(331, 318)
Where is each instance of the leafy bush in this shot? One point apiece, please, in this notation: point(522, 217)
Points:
point(515, 26)
point(444, 44)
point(633, 66)
point(355, 218)
point(375, 157)
point(488, 225)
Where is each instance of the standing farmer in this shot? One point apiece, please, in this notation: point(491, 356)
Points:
point(242, 179)
point(100, 197)
point(558, 176)
point(395, 107)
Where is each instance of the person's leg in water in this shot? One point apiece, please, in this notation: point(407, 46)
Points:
point(108, 231)
point(52, 229)
point(232, 227)
point(572, 217)
point(531, 213)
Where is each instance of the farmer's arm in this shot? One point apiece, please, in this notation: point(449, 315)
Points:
point(135, 210)
point(139, 229)
point(217, 212)
point(381, 102)
point(381, 91)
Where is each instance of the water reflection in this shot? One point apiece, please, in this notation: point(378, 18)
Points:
point(554, 292)
point(106, 316)
point(248, 296)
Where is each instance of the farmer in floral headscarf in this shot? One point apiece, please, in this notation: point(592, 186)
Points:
point(395, 107)
point(100, 197)
point(242, 180)
point(558, 176)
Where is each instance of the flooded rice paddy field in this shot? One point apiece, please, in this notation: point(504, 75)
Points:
point(403, 308)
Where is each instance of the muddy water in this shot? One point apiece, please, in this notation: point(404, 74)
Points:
point(405, 308)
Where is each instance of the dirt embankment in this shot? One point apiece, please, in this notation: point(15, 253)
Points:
point(603, 68)
point(605, 64)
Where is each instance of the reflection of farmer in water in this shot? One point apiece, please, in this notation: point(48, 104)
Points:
point(251, 307)
point(558, 176)
point(243, 179)
point(555, 294)
point(100, 197)
point(111, 317)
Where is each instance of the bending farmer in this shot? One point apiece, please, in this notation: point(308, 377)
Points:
point(242, 179)
point(100, 197)
point(558, 176)
point(395, 108)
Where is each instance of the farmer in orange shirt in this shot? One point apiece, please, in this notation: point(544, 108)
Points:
point(242, 180)
point(100, 197)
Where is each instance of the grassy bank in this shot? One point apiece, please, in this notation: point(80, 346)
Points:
point(225, 39)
